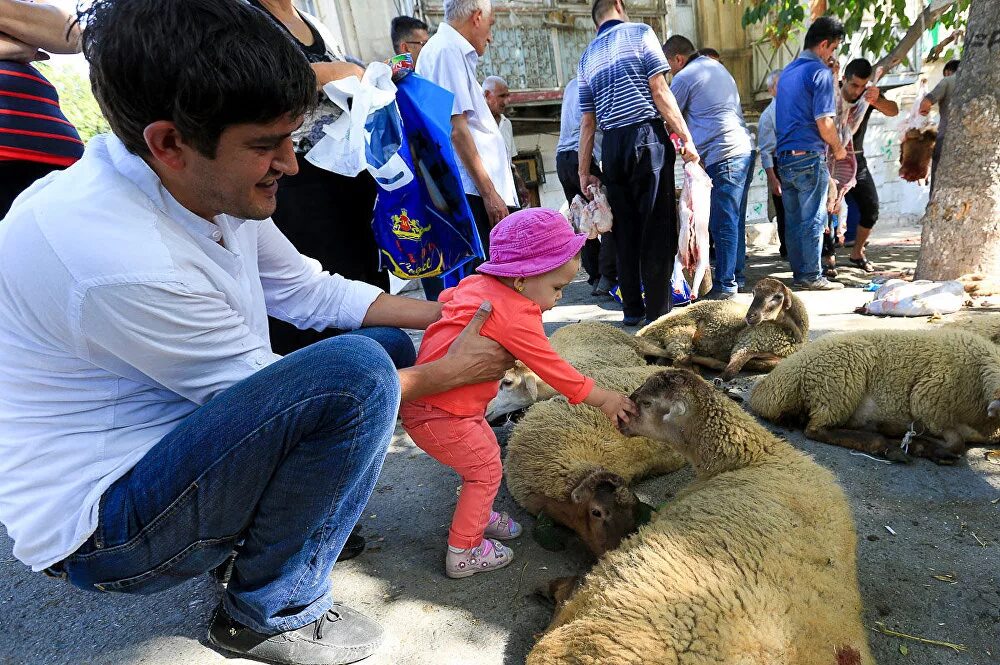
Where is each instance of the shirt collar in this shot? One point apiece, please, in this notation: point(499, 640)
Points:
point(809, 55)
point(456, 37)
point(138, 172)
point(607, 25)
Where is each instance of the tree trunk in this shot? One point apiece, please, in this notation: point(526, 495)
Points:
point(961, 227)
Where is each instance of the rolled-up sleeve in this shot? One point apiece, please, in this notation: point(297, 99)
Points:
point(299, 291)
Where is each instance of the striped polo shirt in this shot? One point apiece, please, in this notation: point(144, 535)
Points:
point(32, 126)
point(614, 74)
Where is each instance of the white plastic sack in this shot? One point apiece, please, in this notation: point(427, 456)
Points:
point(913, 119)
point(920, 298)
point(693, 211)
point(578, 217)
point(343, 148)
point(600, 209)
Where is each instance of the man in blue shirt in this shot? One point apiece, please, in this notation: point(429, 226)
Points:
point(623, 90)
point(707, 96)
point(805, 120)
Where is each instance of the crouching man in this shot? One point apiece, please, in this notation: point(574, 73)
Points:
point(146, 428)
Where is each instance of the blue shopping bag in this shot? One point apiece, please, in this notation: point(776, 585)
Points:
point(423, 224)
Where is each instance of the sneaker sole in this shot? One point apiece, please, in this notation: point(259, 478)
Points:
point(476, 571)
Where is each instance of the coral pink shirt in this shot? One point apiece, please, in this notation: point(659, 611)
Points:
point(516, 324)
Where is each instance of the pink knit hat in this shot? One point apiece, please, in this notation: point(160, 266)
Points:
point(531, 242)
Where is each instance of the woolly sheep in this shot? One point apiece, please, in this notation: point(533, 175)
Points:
point(722, 335)
point(753, 563)
point(589, 346)
point(855, 389)
point(985, 325)
point(572, 464)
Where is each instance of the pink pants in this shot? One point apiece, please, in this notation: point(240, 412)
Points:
point(467, 445)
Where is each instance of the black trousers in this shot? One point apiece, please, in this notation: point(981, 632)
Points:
point(16, 176)
point(598, 255)
point(865, 195)
point(328, 217)
point(779, 214)
point(639, 174)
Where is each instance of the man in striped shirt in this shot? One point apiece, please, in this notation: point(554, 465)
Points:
point(624, 92)
point(35, 136)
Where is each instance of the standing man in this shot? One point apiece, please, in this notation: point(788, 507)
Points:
point(864, 194)
point(146, 427)
point(599, 258)
point(623, 91)
point(409, 35)
point(449, 59)
point(805, 117)
point(940, 95)
point(707, 96)
point(767, 142)
point(497, 94)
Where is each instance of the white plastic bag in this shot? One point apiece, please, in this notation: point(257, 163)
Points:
point(600, 209)
point(344, 147)
point(920, 298)
point(914, 120)
point(693, 211)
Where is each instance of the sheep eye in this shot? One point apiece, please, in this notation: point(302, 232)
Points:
point(596, 512)
point(507, 383)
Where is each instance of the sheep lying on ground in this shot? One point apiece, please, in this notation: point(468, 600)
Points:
point(589, 346)
point(855, 389)
point(572, 464)
point(985, 325)
point(722, 335)
point(752, 564)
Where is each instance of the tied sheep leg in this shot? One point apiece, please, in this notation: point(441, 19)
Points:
point(739, 360)
point(936, 450)
point(860, 440)
point(705, 361)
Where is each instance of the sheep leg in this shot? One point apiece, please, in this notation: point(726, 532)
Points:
point(944, 451)
point(739, 359)
point(860, 440)
point(705, 361)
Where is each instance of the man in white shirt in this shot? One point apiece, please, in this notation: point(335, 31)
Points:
point(147, 430)
point(497, 94)
point(449, 59)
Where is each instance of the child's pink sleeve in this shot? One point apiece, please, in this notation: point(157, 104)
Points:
point(525, 338)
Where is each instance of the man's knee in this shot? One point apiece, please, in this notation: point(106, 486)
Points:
point(396, 343)
point(350, 363)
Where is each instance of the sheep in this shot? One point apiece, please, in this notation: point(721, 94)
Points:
point(589, 346)
point(940, 389)
point(752, 564)
point(722, 335)
point(572, 464)
point(984, 325)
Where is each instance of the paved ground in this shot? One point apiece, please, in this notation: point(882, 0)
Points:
point(946, 522)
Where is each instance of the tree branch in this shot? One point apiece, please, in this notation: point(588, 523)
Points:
point(926, 20)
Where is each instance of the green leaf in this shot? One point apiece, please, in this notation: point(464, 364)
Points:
point(903, 649)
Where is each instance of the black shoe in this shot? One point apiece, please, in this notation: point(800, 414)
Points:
point(630, 321)
point(340, 636)
point(354, 545)
point(603, 287)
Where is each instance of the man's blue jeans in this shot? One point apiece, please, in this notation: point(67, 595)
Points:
point(804, 183)
point(278, 467)
point(726, 223)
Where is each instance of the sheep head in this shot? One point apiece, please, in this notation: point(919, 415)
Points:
point(519, 389)
point(603, 510)
point(771, 299)
point(668, 407)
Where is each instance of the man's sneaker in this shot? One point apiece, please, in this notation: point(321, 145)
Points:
point(340, 636)
point(719, 295)
point(490, 555)
point(603, 287)
point(630, 321)
point(821, 284)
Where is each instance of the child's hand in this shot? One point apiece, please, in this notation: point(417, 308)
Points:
point(614, 405)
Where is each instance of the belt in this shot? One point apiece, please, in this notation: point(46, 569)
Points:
point(796, 153)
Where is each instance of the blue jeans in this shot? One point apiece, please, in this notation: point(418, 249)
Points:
point(725, 222)
point(278, 467)
point(804, 183)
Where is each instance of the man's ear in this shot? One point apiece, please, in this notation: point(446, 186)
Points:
point(165, 144)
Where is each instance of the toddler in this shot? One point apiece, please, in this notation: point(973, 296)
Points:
point(534, 253)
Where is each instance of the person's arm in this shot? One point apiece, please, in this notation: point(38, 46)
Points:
point(334, 71)
point(886, 107)
point(15, 50)
point(465, 147)
point(41, 25)
point(827, 127)
point(767, 143)
point(825, 111)
point(939, 92)
point(667, 106)
point(471, 359)
point(588, 127)
point(401, 312)
point(925, 105)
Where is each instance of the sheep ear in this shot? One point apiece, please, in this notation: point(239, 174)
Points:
point(585, 488)
point(787, 304)
point(532, 384)
point(677, 409)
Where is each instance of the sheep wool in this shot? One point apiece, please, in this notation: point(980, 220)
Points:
point(752, 564)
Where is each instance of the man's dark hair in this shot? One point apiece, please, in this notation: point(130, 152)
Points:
point(824, 29)
point(678, 45)
point(202, 64)
point(710, 52)
point(600, 8)
point(403, 28)
point(858, 68)
point(952, 66)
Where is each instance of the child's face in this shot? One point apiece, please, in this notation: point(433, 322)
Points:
point(546, 289)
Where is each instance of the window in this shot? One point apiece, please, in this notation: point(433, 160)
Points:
point(309, 6)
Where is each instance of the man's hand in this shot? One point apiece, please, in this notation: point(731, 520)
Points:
point(477, 359)
point(839, 153)
point(773, 182)
point(17, 51)
point(614, 405)
point(496, 209)
point(690, 153)
point(872, 93)
point(586, 181)
point(925, 106)
point(334, 71)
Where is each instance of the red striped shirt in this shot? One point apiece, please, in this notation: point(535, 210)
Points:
point(32, 126)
